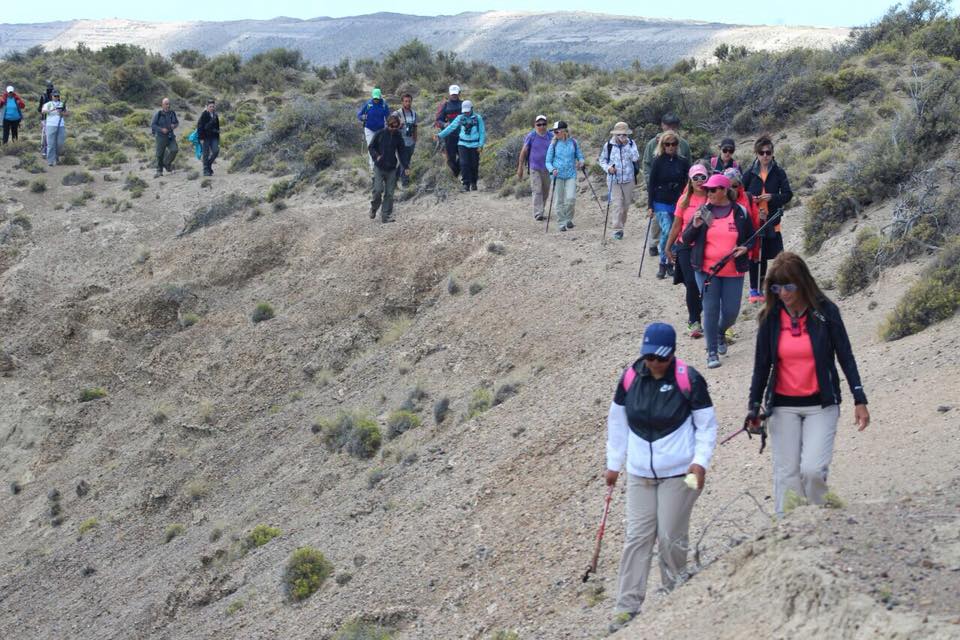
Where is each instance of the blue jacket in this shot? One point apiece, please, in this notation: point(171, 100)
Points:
point(563, 156)
point(373, 115)
point(472, 132)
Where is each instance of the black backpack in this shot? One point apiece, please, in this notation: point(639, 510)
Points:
point(636, 165)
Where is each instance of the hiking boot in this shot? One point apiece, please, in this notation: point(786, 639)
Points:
point(570, 225)
point(713, 361)
point(654, 251)
point(563, 227)
point(721, 347)
point(696, 331)
point(158, 174)
point(373, 212)
point(755, 296)
point(464, 188)
point(473, 187)
point(539, 217)
point(621, 620)
point(662, 272)
point(168, 167)
point(618, 235)
point(669, 269)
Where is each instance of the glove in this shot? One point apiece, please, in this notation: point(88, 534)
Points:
point(753, 423)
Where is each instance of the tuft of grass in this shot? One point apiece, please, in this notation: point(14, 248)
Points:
point(497, 248)
point(38, 186)
point(188, 320)
point(475, 288)
point(306, 571)
point(135, 185)
point(263, 311)
point(504, 392)
point(934, 298)
point(361, 630)
point(480, 401)
point(92, 393)
point(356, 433)
point(75, 178)
point(87, 525)
point(440, 410)
point(396, 328)
point(219, 209)
point(401, 421)
point(832, 501)
point(375, 476)
point(161, 414)
point(234, 606)
point(453, 288)
point(197, 490)
point(172, 531)
point(792, 500)
point(259, 536)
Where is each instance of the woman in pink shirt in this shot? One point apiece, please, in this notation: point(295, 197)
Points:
point(692, 198)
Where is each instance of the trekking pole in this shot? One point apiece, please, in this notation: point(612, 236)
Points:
point(715, 269)
point(595, 196)
point(646, 238)
point(751, 428)
point(606, 215)
point(553, 188)
point(603, 525)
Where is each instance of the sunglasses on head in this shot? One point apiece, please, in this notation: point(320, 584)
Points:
point(777, 288)
point(727, 150)
point(670, 144)
point(765, 152)
point(651, 357)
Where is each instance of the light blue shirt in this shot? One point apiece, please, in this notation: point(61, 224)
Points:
point(563, 156)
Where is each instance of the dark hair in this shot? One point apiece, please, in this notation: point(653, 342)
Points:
point(763, 141)
point(406, 95)
point(789, 268)
point(393, 119)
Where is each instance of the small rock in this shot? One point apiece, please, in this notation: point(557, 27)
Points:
point(343, 578)
point(15, 487)
point(359, 560)
point(57, 521)
point(55, 509)
point(87, 571)
point(944, 408)
point(53, 495)
point(82, 488)
point(576, 261)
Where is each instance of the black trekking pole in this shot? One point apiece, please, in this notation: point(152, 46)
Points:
point(715, 269)
point(553, 188)
point(594, 191)
point(646, 238)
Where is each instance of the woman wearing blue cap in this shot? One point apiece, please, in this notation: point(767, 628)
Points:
point(662, 424)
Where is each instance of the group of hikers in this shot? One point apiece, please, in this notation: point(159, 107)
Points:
point(53, 129)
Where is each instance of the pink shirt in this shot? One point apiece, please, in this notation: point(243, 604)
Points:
point(721, 240)
point(686, 213)
point(796, 367)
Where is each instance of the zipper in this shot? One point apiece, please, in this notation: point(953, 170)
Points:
point(652, 470)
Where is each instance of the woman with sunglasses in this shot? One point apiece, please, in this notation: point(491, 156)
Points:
point(717, 236)
point(668, 175)
point(800, 336)
point(719, 164)
point(767, 182)
point(662, 424)
point(694, 197)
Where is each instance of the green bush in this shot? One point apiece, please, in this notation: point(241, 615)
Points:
point(850, 82)
point(132, 82)
point(934, 298)
point(279, 190)
point(306, 571)
point(75, 178)
point(92, 393)
point(359, 630)
point(263, 311)
point(87, 525)
point(355, 433)
point(108, 159)
point(221, 72)
point(857, 269)
point(189, 58)
point(259, 536)
point(38, 186)
point(480, 401)
point(401, 421)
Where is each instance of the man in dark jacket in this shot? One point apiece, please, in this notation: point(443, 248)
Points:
point(386, 153)
point(448, 111)
point(208, 130)
point(163, 125)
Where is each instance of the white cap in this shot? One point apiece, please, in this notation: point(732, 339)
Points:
point(454, 90)
point(10, 89)
point(539, 118)
point(466, 107)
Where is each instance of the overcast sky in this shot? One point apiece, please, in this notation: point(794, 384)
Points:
point(809, 12)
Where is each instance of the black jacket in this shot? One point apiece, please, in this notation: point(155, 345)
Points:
point(385, 149)
point(829, 339)
point(652, 413)
point(208, 126)
point(447, 113)
point(668, 177)
point(776, 184)
point(164, 120)
point(697, 237)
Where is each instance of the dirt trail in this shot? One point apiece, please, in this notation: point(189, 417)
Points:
point(479, 524)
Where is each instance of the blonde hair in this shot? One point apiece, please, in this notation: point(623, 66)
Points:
point(665, 136)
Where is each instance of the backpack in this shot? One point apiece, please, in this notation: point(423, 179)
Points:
point(681, 373)
point(636, 165)
point(468, 123)
point(553, 143)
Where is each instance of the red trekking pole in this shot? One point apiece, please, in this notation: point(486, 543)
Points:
point(603, 525)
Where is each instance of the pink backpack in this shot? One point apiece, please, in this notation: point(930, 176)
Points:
point(681, 374)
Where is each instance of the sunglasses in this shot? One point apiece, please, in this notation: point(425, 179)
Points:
point(650, 357)
point(393, 127)
point(670, 144)
point(765, 152)
point(777, 288)
point(699, 178)
point(714, 189)
point(541, 124)
point(727, 150)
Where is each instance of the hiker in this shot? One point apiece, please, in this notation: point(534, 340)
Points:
point(668, 176)
point(163, 125)
point(767, 182)
point(55, 125)
point(694, 197)
point(373, 116)
point(563, 160)
point(718, 164)
point(620, 158)
point(408, 129)
point(533, 154)
point(208, 131)
point(45, 97)
point(386, 151)
point(717, 235)
point(669, 122)
point(663, 425)
point(448, 111)
point(12, 114)
point(471, 136)
point(800, 336)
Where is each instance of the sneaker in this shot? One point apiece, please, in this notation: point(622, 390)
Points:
point(570, 225)
point(696, 331)
point(464, 188)
point(373, 212)
point(721, 347)
point(713, 361)
point(168, 167)
point(618, 235)
point(621, 620)
point(539, 217)
point(755, 296)
point(669, 269)
point(729, 336)
point(473, 187)
point(563, 227)
point(662, 272)
point(387, 219)
point(654, 251)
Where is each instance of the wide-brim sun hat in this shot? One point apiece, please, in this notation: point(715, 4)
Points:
point(717, 180)
point(621, 128)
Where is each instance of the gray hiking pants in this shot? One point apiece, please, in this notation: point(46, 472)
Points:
point(540, 185)
point(56, 137)
point(565, 195)
point(801, 439)
point(657, 511)
point(166, 151)
point(384, 184)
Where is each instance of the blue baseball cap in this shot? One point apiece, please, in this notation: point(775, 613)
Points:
point(659, 339)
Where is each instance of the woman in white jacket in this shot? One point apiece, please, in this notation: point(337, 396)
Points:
point(663, 426)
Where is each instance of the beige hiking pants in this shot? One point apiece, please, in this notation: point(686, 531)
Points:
point(621, 196)
point(801, 439)
point(657, 510)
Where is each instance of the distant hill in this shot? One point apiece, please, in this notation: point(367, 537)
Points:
point(499, 37)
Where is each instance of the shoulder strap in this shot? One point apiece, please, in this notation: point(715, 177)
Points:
point(682, 375)
point(609, 148)
point(628, 377)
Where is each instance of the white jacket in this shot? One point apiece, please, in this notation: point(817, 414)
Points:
point(672, 455)
point(621, 157)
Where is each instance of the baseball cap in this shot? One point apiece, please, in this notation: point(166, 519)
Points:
point(559, 124)
point(539, 118)
point(728, 142)
point(466, 107)
point(10, 89)
point(454, 90)
point(671, 119)
point(697, 170)
point(376, 93)
point(717, 180)
point(659, 338)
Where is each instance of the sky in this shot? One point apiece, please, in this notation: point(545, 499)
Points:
point(808, 12)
